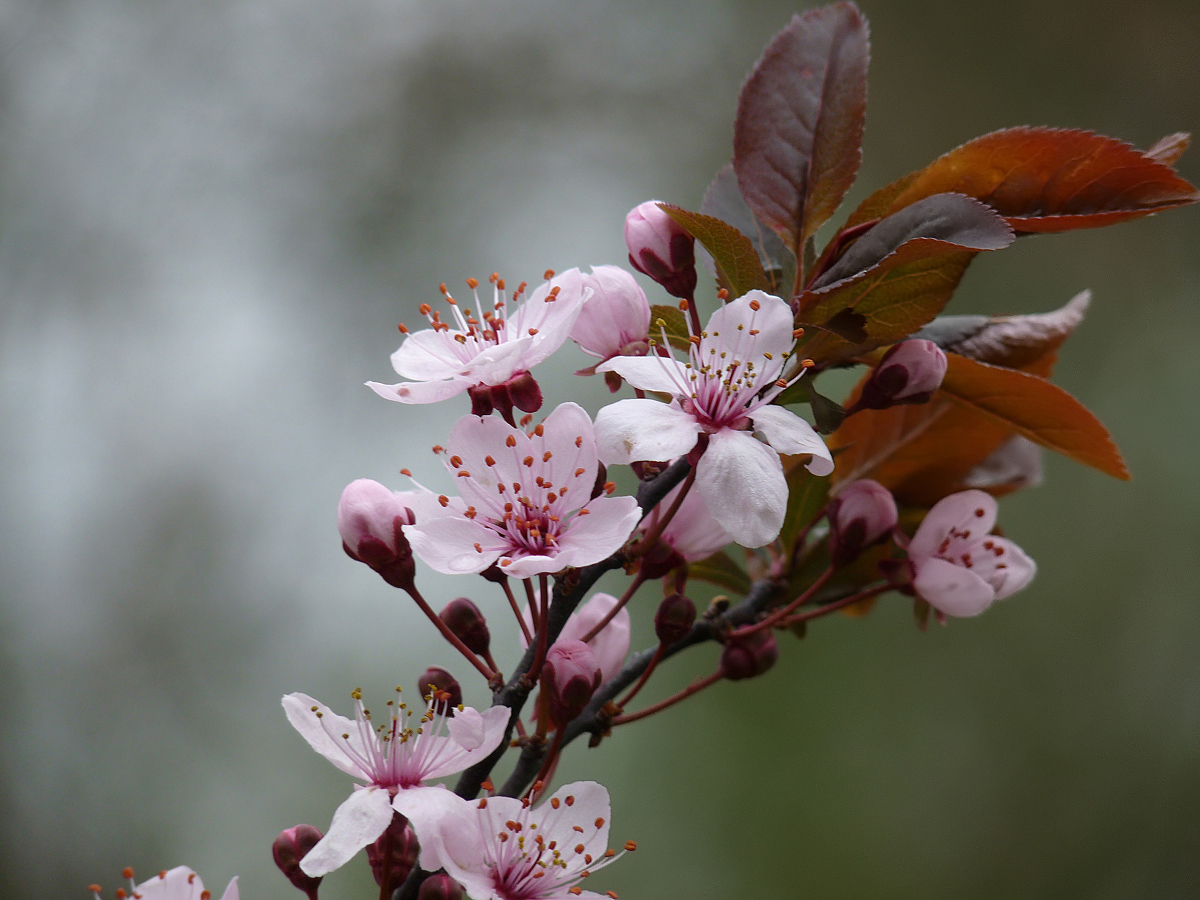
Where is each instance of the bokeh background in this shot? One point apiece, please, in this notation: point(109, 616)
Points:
point(212, 216)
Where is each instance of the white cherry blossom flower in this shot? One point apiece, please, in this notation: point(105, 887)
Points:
point(525, 500)
point(503, 849)
point(180, 883)
point(394, 760)
point(724, 392)
point(959, 567)
point(444, 360)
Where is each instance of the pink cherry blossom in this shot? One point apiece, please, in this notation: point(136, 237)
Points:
point(610, 646)
point(180, 883)
point(370, 517)
point(502, 849)
point(394, 759)
point(446, 359)
point(616, 318)
point(723, 391)
point(693, 532)
point(525, 500)
point(960, 568)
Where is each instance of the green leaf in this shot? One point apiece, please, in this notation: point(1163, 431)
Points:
point(807, 496)
point(723, 200)
point(721, 570)
point(674, 324)
point(738, 267)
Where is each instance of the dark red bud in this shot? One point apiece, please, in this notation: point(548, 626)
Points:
point(481, 399)
point(863, 513)
point(570, 676)
point(445, 688)
point(394, 854)
point(613, 381)
point(908, 373)
point(370, 520)
point(289, 848)
point(674, 619)
point(440, 887)
point(524, 393)
point(661, 248)
point(660, 560)
point(749, 656)
point(467, 623)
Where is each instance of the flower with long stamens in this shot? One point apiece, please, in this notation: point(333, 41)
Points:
point(527, 497)
point(394, 759)
point(180, 883)
point(492, 348)
point(959, 567)
point(500, 848)
point(724, 392)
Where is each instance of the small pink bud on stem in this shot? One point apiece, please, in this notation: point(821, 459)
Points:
point(289, 848)
point(863, 513)
point(444, 687)
point(393, 854)
point(908, 373)
point(464, 619)
point(749, 655)
point(674, 619)
point(370, 519)
point(440, 887)
point(570, 676)
point(660, 248)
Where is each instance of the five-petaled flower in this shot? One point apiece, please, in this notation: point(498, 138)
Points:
point(501, 848)
point(395, 760)
point(525, 500)
point(724, 392)
point(501, 344)
point(959, 567)
point(180, 883)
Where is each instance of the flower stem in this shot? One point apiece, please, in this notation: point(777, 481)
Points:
point(651, 537)
point(542, 637)
point(637, 582)
point(835, 606)
point(449, 635)
point(693, 688)
point(534, 612)
point(512, 602)
point(547, 764)
point(633, 691)
point(784, 611)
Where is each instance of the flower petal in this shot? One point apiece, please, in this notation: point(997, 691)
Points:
point(650, 373)
point(299, 711)
point(427, 808)
point(1008, 571)
point(611, 645)
point(590, 538)
point(449, 545)
point(361, 819)
point(429, 355)
point(741, 479)
point(474, 735)
point(954, 590)
point(420, 391)
point(631, 430)
point(589, 805)
point(551, 318)
point(694, 532)
point(231, 891)
point(751, 335)
point(788, 433)
point(180, 883)
point(972, 512)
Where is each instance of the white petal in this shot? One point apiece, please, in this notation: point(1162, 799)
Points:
point(631, 430)
point(772, 322)
point(589, 804)
point(482, 731)
point(231, 892)
point(650, 373)
point(448, 545)
point(500, 362)
point(535, 564)
point(592, 537)
point(741, 479)
point(966, 511)
point(180, 883)
point(361, 819)
point(426, 809)
point(428, 355)
point(788, 433)
point(299, 711)
point(420, 391)
point(1009, 572)
point(611, 645)
point(954, 590)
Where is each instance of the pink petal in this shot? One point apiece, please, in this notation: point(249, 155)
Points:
point(449, 545)
point(615, 315)
point(590, 804)
point(611, 645)
point(474, 735)
point(429, 810)
point(500, 362)
point(967, 511)
point(1018, 568)
point(693, 532)
point(420, 391)
point(741, 480)
point(552, 320)
point(361, 819)
point(788, 433)
point(772, 322)
point(631, 430)
point(299, 711)
point(954, 590)
point(650, 373)
point(231, 891)
point(428, 355)
point(592, 537)
point(180, 883)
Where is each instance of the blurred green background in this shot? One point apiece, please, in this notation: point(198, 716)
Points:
point(212, 216)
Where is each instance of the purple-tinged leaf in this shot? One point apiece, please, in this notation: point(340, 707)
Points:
point(1022, 342)
point(949, 219)
point(797, 140)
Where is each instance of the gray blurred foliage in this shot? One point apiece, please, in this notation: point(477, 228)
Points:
point(212, 216)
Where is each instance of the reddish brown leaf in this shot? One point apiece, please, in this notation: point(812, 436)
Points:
point(1168, 150)
point(1044, 180)
point(797, 140)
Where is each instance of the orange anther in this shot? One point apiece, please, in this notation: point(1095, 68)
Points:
point(548, 274)
point(631, 846)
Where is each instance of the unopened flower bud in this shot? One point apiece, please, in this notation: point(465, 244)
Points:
point(616, 317)
point(524, 392)
point(370, 518)
point(908, 373)
point(467, 623)
point(674, 619)
point(442, 685)
point(570, 676)
point(289, 848)
point(748, 656)
point(394, 854)
point(661, 248)
point(862, 514)
point(440, 887)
